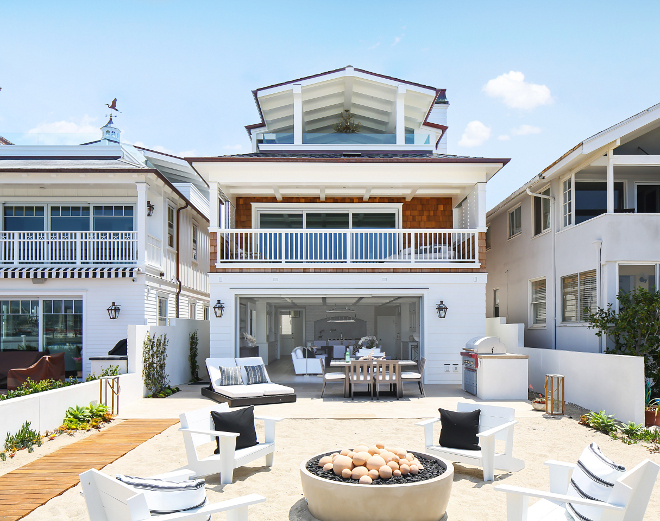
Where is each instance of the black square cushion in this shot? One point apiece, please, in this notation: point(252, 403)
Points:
point(459, 429)
point(240, 421)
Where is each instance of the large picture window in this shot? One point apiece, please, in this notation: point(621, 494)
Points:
point(19, 325)
point(332, 219)
point(69, 218)
point(113, 218)
point(591, 199)
point(24, 219)
point(579, 296)
point(63, 330)
point(634, 276)
point(537, 302)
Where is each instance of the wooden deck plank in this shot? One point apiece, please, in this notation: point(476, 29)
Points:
point(32, 485)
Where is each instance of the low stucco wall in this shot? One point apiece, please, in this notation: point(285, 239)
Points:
point(598, 381)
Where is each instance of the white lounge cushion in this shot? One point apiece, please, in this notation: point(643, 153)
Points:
point(213, 367)
point(239, 391)
point(410, 374)
point(464, 453)
point(335, 376)
point(271, 389)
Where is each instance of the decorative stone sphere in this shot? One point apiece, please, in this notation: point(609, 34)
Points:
point(358, 472)
point(387, 456)
point(373, 474)
point(396, 473)
point(380, 445)
point(361, 448)
point(351, 454)
point(414, 469)
point(333, 456)
point(345, 452)
point(375, 462)
point(373, 450)
point(341, 463)
point(366, 480)
point(327, 467)
point(324, 460)
point(393, 465)
point(361, 458)
point(396, 458)
point(346, 473)
point(410, 457)
point(385, 472)
point(404, 469)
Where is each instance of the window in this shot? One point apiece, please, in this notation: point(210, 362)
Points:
point(579, 296)
point(541, 209)
point(374, 220)
point(515, 221)
point(162, 311)
point(567, 202)
point(192, 314)
point(648, 198)
point(488, 236)
point(538, 302)
point(285, 323)
point(170, 226)
point(206, 312)
point(113, 218)
point(496, 303)
point(69, 218)
point(19, 321)
point(24, 219)
point(632, 277)
point(331, 219)
point(194, 242)
point(62, 330)
point(591, 199)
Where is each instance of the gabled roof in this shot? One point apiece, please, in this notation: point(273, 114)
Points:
point(4, 141)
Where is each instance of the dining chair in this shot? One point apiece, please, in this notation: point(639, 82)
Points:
point(416, 376)
point(388, 372)
point(361, 372)
point(331, 377)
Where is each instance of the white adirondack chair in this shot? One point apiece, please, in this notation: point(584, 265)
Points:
point(111, 500)
point(495, 423)
point(627, 502)
point(197, 429)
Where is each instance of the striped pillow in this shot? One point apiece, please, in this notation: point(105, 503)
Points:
point(168, 497)
point(256, 374)
point(593, 478)
point(230, 376)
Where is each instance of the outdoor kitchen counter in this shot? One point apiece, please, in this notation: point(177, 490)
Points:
point(505, 355)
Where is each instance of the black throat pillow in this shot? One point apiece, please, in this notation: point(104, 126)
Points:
point(240, 421)
point(459, 429)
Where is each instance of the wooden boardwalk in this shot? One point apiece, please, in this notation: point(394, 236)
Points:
point(28, 487)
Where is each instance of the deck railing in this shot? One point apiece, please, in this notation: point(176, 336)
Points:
point(346, 246)
point(44, 248)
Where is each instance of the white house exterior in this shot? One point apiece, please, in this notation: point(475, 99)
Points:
point(87, 226)
point(323, 236)
point(598, 234)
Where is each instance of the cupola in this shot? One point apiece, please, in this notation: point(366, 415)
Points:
point(110, 133)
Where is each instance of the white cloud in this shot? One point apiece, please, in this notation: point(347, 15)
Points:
point(504, 137)
point(233, 147)
point(476, 133)
point(525, 130)
point(81, 126)
point(188, 153)
point(374, 46)
point(397, 39)
point(516, 93)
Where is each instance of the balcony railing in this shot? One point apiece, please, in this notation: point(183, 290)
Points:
point(44, 248)
point(342, 246)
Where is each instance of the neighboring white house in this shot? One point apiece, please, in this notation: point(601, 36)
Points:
point(87, 226)
point(327, 236)
point(595, 233)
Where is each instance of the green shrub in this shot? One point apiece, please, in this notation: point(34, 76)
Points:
point(112, 370)
point(30, 387)
point(25, 438)
point(154, 357)
point(602, 422)
point(633, 430)
point(192, 357)
point(86, 417)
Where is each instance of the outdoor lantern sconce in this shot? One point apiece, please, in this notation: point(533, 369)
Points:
point(219, 309)
point(150, 209)
point(113, 311)
point(442, 310)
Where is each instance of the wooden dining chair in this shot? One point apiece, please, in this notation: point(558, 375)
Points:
point(387, 372)
point(361, 372)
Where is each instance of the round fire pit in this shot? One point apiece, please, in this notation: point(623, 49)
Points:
point(333, 498)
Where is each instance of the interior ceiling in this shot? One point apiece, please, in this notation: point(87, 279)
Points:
point(373, 104)
point(335, 301)
point(646, 143)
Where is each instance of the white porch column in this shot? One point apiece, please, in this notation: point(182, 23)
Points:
point(141, 222)
point(481, 205)
point(610, 181)
point(261, 330)
point(297, 115)
point(214, 221)
point(400, 116)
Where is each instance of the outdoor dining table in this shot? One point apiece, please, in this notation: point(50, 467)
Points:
point(347, 365)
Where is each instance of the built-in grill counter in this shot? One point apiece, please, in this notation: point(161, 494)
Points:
point(490, 373)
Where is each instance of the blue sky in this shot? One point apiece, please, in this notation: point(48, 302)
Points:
point(183, 71)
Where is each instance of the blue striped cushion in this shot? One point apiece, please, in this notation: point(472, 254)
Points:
point(230, 376)
point(256, 374)
point(594, 479)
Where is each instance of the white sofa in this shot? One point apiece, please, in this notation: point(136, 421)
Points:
point(302, 365)
point(238, 395)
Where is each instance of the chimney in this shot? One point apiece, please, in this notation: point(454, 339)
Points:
point(439, 116)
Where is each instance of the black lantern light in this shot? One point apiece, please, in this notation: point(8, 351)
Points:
point(442, 309)
point(150, 209)
point(219, 309)
point(113, 311)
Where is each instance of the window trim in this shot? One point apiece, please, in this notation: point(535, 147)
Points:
point(508, 221)
point(530, 323)
point(540, 200)
point(580, 321)
point(171, 206)
point(194, 242)
point(618, 264)
point(570, 177)
point(165, 297)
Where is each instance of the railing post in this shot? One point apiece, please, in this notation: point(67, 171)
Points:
point(16, 250)
point(78, 236)
point(413, 254)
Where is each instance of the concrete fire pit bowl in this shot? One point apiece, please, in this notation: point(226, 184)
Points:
point(330, 500)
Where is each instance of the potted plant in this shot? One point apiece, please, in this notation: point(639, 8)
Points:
point(650, 407)
point(538, 400)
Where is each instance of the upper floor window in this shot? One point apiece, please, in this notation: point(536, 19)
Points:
point(194, 241)
point(579, 296)
point(162, 311)
point(591, 199)
point(496, 303)
point(113, 218)
point(206, 313)
point(335, 218)
point(69, 218)
point(515, 221)
point(648, 198)
point(170, 226)
point(537, 302)
point(541, 212)
point(567, 202)
point(24, 218)
point(193, 311)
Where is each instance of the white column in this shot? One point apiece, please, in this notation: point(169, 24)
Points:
point(400, 116)
point(214, 221)
point(141, 222)
point(261, 332)
point(610, 181)
point(297, 115)
point(481, 205)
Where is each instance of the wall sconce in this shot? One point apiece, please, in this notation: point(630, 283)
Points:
point(150, 209)
point(113, 311)
point(442, 310)
point(219, 309)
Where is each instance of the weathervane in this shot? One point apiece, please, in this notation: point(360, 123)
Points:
point(113, 105)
